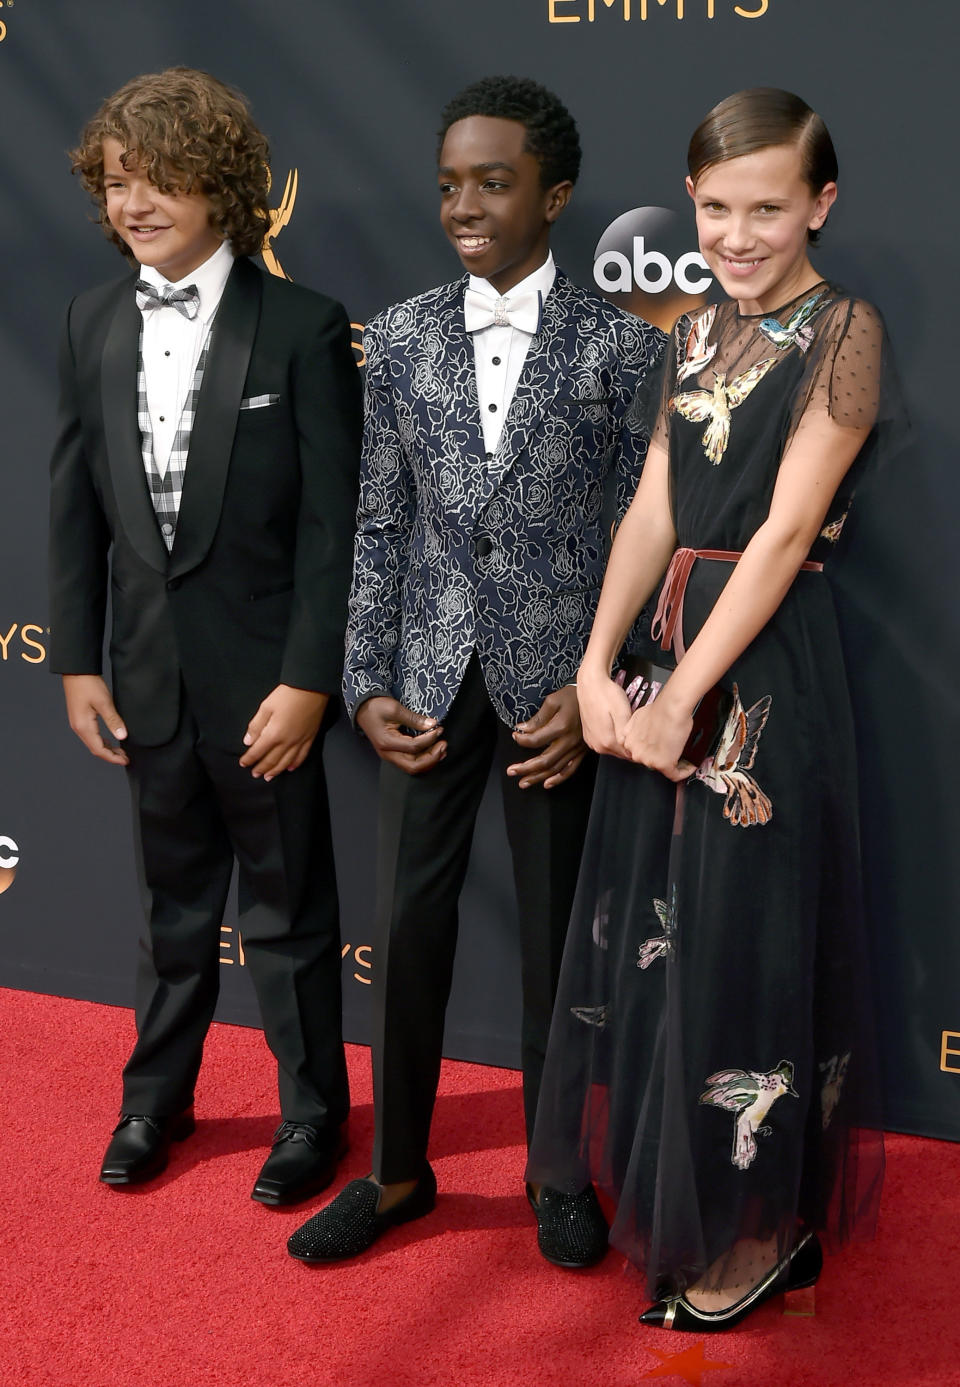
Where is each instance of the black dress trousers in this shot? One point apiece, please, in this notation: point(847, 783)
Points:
point(196, 810)
point(425, 830)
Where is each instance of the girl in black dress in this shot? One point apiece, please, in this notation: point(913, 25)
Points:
point(710, 1064)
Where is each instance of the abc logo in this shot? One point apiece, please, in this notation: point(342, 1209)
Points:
point(643, 261)
point(9, 858)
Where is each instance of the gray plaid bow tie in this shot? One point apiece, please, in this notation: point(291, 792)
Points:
point(185, 301)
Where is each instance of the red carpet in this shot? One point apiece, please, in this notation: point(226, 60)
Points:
point(186, 1282)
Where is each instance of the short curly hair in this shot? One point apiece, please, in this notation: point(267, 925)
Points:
point(190, 133)
point(552, 136)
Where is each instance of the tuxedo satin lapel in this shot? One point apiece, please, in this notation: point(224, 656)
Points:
point(551, 354)
point(215, 423)
point(118, 393)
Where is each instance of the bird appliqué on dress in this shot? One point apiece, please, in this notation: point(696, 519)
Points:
point(834, 1072)
point(833, 530)
point(601, 921)
point(727, 772)
point(697, 353)
point(592, 1016)
point(660, 945)
point(698, 405)
point(798, 329)
point(750, 1096)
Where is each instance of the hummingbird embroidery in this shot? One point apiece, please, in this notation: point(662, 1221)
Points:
point(750, 1096)
point(661, 945)
point(698, 405)
point(727, 771)
point(797, 329)
point(697, 353)
point(592, 1016)
point(834, 1071)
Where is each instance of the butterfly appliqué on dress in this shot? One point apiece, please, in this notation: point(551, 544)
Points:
point(698, 405)
point(697, 352)
point(797, 329)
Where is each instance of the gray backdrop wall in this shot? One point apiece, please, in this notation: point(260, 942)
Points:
point(349, 93)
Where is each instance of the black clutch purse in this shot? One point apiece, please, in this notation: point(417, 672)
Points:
point(642, 680)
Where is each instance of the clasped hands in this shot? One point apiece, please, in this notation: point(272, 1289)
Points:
point(653, 735)
point(553, 734)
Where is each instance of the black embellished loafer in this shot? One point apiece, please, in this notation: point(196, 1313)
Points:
point(352, 1222)
point(140, 1146)
point(302, 1161)
point(571, 1229)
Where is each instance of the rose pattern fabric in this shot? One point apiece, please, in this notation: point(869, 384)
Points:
point(456, 551)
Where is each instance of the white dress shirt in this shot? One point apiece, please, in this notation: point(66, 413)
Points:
point(172, 343)
point(499, 353)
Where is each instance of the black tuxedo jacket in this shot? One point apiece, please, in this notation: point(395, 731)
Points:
point(254, 593)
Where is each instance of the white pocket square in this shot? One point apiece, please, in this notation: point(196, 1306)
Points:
point(259, 401)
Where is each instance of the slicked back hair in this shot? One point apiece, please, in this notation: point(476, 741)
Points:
point(759, 118)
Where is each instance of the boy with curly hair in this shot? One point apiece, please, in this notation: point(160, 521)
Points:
point(205, 476)
point(497, 406)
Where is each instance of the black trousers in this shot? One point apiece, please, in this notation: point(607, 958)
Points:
point(196, 810)
point(425, 829)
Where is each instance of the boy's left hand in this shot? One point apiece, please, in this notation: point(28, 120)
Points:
point(555, 726)
point(282, 730)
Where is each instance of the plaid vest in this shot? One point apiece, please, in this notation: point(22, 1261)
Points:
point(167, 489)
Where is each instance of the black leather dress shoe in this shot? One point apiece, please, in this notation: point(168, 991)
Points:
point(571, 1229)
point(140, 1146)
point(302, 1161)
point(352, 1222)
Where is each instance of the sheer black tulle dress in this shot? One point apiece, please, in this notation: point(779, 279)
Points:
point(711, 1064)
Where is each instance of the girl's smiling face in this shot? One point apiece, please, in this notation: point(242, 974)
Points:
point(753, 216)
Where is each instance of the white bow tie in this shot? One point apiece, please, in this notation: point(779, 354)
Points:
point(523, 311)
